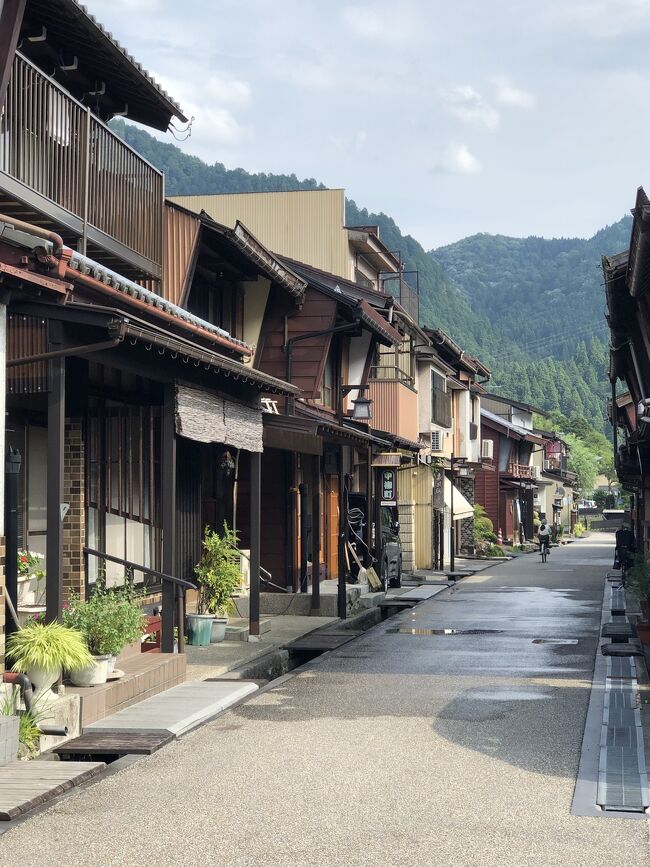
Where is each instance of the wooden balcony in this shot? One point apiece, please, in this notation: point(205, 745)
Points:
point(62, 167)
point(522, 471)
point(394, 408)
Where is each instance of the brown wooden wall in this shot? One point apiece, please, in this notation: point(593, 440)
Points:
point(273, 532)
point(317, 314)
point(487, 483)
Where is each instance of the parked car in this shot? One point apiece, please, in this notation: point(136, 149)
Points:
point(389, 567)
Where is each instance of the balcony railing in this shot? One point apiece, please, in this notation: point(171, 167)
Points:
point(407, 295)
point(522, 471)
point(62, 162)
point(441, 407)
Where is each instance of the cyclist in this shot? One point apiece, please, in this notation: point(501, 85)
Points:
point(544, 535)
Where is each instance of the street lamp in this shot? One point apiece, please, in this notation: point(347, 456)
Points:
point(361, 406)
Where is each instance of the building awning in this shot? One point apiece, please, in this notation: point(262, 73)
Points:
point(462, 507)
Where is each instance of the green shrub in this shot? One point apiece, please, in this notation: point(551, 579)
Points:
point(218, 572)
point(494, 551)
point(637, 578)
point(109, 619)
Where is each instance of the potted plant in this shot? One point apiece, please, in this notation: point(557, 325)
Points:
point(31, 583)
point(108, 620)
point(43, 650)
point(219, 576)
point(637, 581)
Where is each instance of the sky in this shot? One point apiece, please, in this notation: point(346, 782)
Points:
point(453, 117)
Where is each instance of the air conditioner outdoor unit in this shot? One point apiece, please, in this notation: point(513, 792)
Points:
point(487, 449)
point(436, 441)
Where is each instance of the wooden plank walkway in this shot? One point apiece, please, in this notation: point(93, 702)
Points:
point(95, 745)
point(26, 785)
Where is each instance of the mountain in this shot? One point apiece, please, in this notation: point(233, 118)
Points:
point(530, 308)
point(551, 289)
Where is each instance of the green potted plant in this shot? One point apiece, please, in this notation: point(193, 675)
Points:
point(31, 578)
point(219, 576)
point(637, 581)
point(43, 650)
point(108, 620)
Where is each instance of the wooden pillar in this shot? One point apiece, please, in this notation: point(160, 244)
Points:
point(315, 534)
point(55, 466)
point(256, 519)
point(341, 588)
point(369, 499)
point(168, 508)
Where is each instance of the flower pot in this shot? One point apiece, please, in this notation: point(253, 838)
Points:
point(93, 675)
point(42, 680)
point(199, 629)
point(8, 739)
point(218, 629)
point(111, 664)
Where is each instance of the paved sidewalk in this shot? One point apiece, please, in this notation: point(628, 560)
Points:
point(400, 748)
point(217, 660)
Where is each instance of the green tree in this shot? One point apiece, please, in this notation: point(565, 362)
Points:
point(583, 462)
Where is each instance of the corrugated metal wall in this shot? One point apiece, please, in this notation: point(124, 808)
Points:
point(423, 495)
point(394, 408)
point(26, 335)
point(306, 225)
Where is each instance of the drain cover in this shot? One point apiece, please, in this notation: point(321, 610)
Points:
point(555, 641)
point(404, 630)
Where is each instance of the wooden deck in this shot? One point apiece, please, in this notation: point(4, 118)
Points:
point(95, 746)
point(26, 785)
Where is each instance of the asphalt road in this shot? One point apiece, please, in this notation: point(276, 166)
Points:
point(399, 749)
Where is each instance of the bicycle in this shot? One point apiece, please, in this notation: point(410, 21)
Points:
point(543, 549)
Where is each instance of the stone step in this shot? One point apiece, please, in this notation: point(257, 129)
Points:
point(179, 709)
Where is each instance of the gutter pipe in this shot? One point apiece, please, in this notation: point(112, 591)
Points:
point(17, 678)
point(38, 231)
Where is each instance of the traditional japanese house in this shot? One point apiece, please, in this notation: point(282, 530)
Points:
point(129, 378)
point(455, 382)
point(628, 316)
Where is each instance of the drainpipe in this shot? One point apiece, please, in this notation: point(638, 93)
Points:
point(55, 239)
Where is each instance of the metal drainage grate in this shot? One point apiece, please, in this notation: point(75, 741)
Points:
point(555, 641)
point(405, 630)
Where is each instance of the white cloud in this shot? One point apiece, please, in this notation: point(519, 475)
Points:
point(514, 97)
point(227, 91)
point(467, 104)
point(376, 24)
point(605, 18)
point(309, 74)
point(458, 160)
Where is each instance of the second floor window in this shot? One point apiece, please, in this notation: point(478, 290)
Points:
point(329, 383)
point(440, 400)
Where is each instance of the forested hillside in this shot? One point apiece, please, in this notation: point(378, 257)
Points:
point(531, 308)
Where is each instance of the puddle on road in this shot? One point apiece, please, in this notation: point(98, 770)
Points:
point(555, 641)
point(404, 630)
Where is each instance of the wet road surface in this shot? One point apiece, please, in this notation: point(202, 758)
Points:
point(404, 747)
